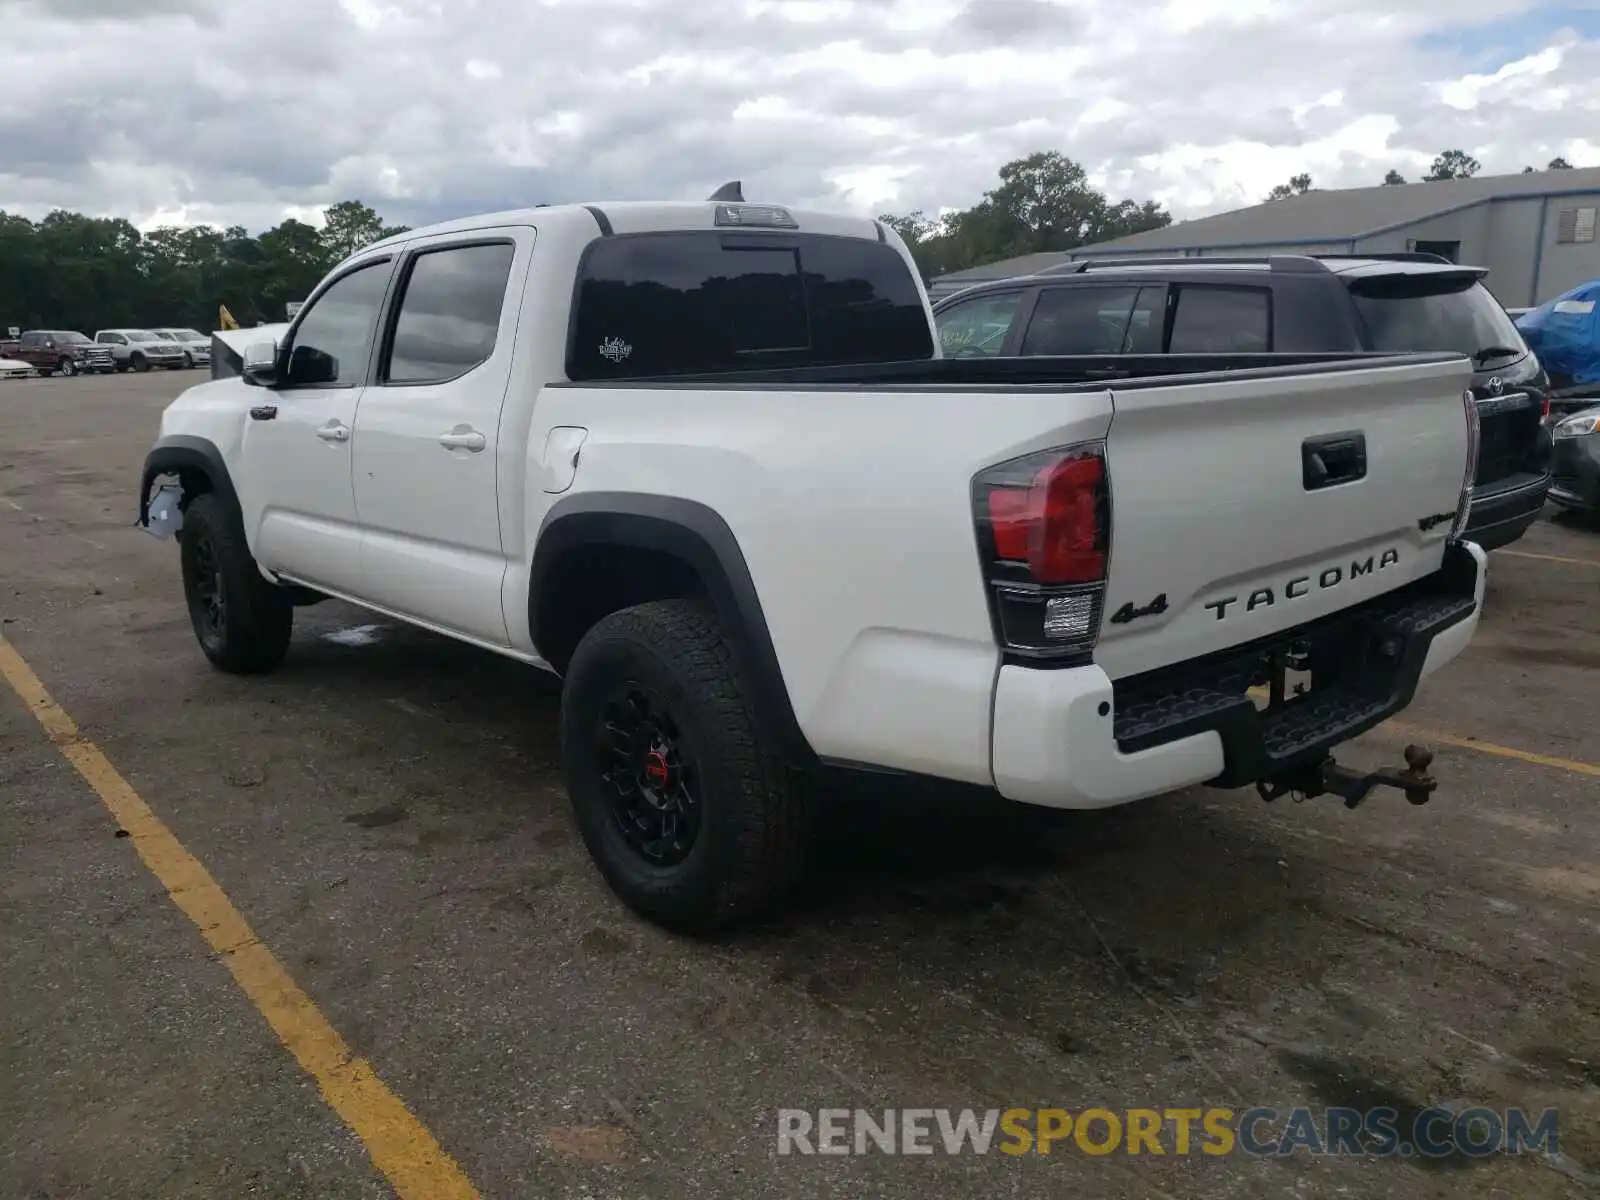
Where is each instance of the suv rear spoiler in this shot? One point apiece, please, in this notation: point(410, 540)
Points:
point(1397, 284)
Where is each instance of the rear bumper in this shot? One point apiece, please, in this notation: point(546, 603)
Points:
point(1502, 513)
point(1074, 739)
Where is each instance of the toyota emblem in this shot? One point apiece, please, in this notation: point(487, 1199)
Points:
point(1496, 385)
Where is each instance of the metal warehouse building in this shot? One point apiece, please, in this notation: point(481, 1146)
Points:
point(1535, 232)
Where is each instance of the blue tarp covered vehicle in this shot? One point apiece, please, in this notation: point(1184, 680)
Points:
point(1565, 334)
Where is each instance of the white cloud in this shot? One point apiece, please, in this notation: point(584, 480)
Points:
point(245, 113)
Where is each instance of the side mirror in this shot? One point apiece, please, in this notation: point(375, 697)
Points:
point(259, 365)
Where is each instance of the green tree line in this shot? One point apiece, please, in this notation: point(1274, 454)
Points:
point(1042, 202)
point(70, 271)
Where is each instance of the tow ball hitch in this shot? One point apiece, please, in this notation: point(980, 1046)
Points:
point(1328, 776)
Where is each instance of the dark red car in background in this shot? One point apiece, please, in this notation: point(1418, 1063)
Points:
point(61, 351)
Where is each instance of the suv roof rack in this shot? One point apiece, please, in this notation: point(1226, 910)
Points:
point(1422, 256)
point(1292, 263)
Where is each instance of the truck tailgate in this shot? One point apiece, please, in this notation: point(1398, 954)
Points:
point(1247, 505)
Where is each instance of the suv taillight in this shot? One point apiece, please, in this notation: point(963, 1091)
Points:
point(1464, 501)
point(1044, 535)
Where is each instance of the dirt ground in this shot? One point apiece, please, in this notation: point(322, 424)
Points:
point(387, 813)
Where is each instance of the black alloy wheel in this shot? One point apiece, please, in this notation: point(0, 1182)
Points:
point(210, 605)
point(651, 774)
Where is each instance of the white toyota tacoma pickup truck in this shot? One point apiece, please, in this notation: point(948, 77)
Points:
point(705, 461)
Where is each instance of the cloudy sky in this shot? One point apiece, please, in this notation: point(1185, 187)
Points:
point(245, 111)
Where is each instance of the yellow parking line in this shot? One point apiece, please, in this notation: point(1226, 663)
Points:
point(1434, 737)
point(1558, 558)
point(400, 1146)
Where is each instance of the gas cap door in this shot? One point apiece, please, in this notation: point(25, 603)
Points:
point(561, 451)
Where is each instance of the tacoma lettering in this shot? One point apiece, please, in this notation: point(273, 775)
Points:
point(1300, 585)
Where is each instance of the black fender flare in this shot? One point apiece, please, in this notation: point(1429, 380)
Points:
point(180, 452)
point(697, 535)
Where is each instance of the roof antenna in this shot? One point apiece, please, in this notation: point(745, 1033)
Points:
point(731, 192)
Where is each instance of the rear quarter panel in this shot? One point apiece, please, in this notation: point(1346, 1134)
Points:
point(853, 510)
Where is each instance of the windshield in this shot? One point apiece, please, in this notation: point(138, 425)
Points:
point(69, 337)
point(186, 335)
point(1461, 320)
point(141, 335)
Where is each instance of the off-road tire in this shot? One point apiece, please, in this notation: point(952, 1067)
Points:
point(755, 809)
point(257, 616)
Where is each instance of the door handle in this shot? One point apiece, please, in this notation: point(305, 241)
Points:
point(1332, 460)
point(463, 437)
point(334, 431)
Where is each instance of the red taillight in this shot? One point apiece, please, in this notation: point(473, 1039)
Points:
point(1044, 530)
point(1054, 523)
point(1068, 544)
point(1008, 519)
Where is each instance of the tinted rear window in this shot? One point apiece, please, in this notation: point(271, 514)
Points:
point(680, 303)
point(1409, 315)
point(1219, 320)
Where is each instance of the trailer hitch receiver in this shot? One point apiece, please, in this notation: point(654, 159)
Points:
point(1352, 787)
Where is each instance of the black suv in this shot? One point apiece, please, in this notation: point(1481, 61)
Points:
point(1288, 303)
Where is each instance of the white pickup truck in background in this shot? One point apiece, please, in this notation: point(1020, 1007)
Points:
point(704, 461)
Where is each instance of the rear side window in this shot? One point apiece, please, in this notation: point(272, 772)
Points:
point(1218, 320)
point(681, 303)
point(1408, 313)
point(1120, 319)
point(449, 313)
point(979, 327)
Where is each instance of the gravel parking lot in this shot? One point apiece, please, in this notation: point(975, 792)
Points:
point(386, 813)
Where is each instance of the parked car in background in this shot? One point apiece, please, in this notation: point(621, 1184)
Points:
point(140, 349)
point(14, 368)
point(196, 345)
point(1565, 334)
point(1576, 461)
point(1269, 304)
point(61, 351)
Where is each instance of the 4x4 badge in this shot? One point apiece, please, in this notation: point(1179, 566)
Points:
point(1130, 613)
